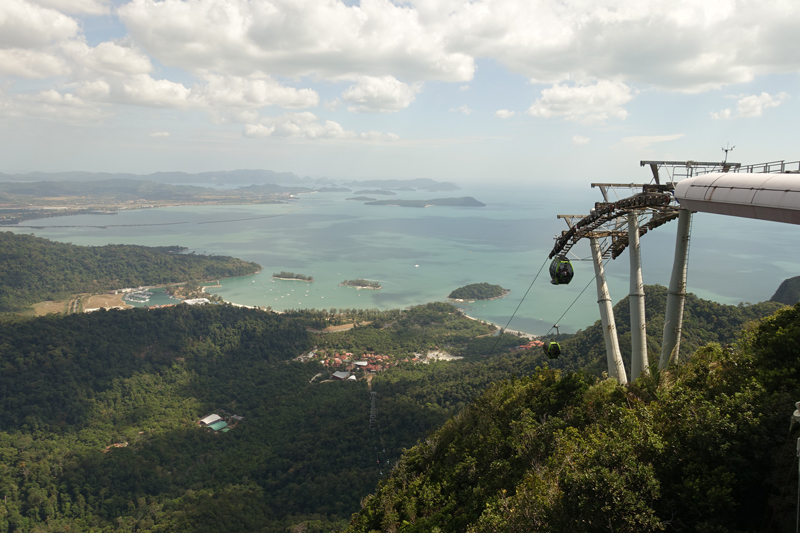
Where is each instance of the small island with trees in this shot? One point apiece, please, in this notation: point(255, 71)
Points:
point(478, 291)
point(361, 283)
point(291, 276)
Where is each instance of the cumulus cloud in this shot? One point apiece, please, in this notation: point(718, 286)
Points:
point(754, 105)
point(722, 114)
point(160, 134)
point(31, 64)
point(504, 113)
point(50, 105)
point(295, 38)
point(684, 45)
point(577, 140)
point(87, 7)
point(307, 125)
point(751, 106)
point(463, 109)
point(587, 103)
point(384, 94)
point(236, 91)
point(229, 57)
point(106, 58)
point(29, 26)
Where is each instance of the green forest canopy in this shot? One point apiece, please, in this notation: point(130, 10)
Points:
point(478, 291)
point(702, 447)
point(304, 453)
point(33, 269)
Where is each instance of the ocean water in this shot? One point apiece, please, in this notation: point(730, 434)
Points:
point(420, 255)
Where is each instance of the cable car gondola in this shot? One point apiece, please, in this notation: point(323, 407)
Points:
point(552, 349)
point(561, 272)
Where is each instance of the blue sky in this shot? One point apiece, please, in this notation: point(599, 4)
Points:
point(514, 91)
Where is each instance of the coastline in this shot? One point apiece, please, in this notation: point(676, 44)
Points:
point(499, 328)
point(294, 279)
point(469, 300)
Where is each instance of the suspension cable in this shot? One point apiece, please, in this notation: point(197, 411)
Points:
point(518, 306)
point(576, 299)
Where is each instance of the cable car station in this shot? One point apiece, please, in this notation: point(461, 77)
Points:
point(767, 191)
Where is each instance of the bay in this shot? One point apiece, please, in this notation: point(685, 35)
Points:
point(332, 239)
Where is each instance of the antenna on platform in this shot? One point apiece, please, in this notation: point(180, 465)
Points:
point(726, 150)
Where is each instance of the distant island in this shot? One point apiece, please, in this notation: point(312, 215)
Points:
point(464, 201)
point(478, 291)
point(363, 199)
point(381, 191)
point(291, 276)
point(419, 183)
point(361, 283)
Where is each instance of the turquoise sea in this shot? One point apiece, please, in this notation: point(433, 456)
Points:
point(420, 255)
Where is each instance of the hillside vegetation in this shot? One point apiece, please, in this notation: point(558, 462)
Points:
point(702, 447)
point(478, 291)
point(305, 456)
point(789, 292)
point(33, 269)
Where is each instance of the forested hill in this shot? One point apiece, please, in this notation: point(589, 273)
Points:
point(71, 386)
point(33, 269)
point(704, 321)
point(702, 447)
point(789, 292)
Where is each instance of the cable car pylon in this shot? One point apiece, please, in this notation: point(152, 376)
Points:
point(654, 206)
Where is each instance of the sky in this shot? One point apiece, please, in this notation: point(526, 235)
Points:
point(535, 92)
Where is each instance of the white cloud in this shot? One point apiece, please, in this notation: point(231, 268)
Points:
point(385, 94)
point(107, 58)
point(504, 113)
point(683, 45)
point(236, 91)
point(723, 114)
point(751, 106)
point(645, 141)
point(50, 105)
point(31, 64)
point(88, 7)
point(463, 109)
point(26, 25)
point(145, 91)
point(754, 105)
point(295, 38)
point(257, 130)
point(577, 140)
point(587, 103)
point(160, 134)
point(464, 88)
point(307, 125)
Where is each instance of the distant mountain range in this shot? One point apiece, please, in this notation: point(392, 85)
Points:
point(232, 177)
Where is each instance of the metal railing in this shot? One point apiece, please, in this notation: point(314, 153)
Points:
point(771, 167)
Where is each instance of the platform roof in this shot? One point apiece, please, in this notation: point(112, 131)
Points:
point(773, 197)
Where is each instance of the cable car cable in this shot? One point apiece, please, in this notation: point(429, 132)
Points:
point(518, 306)
point(576, 299)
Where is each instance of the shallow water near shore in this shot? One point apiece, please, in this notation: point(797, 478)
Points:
point(421, 254)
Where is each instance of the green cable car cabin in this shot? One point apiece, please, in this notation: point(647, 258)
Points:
point(561, 272)
point(552, 349)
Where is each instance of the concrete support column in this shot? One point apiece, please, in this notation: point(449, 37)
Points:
point(615, 367)
point(639, 361)
point(673, 319)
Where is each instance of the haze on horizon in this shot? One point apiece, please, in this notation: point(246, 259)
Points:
point(515, 91)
